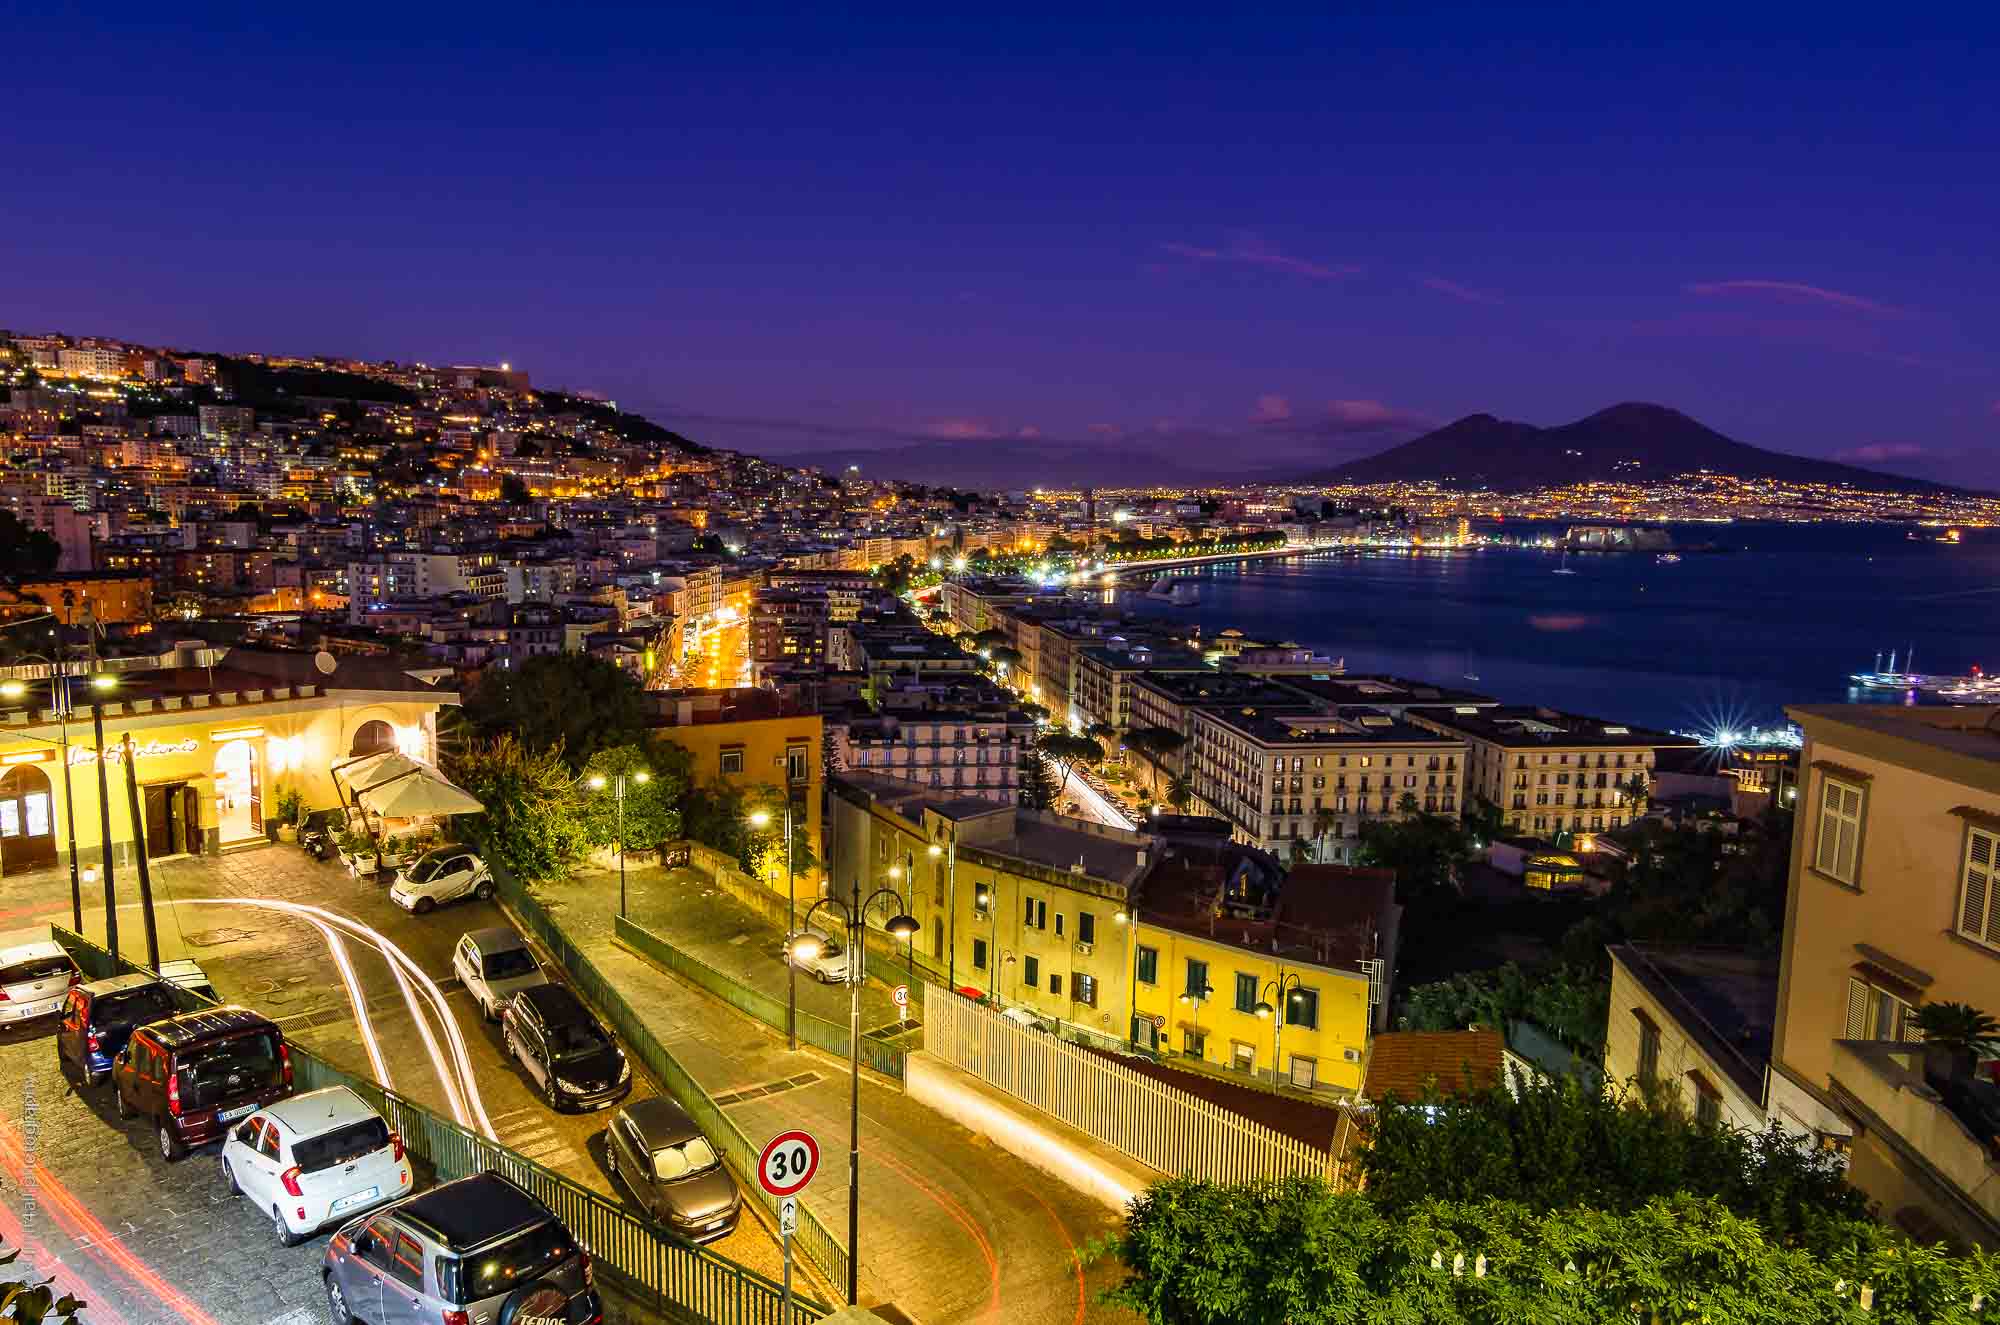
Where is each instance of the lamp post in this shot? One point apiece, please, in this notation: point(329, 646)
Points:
point(59, 696)
point(762, 819)
point(805, 947)
point(598, 782)
point(99, 684)
point(1274, 1008)
point(1195, 998)
point(910, 879)
point(982, 900)
point(950, 854)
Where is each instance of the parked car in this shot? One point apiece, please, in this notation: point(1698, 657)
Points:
point(495, 964)
point(313, 1160)
point(193, 1075)
point(34, 979)
point(443, 874)
point(183, 973)
point(565, 1052)
point(1024, 1018)
point(663, 1159)
point(99, 1017)
point(478, 1249)
point(829, 965)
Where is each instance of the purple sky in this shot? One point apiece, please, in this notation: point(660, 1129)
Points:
point(1248, 239)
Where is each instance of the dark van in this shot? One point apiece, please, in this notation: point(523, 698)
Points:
point(98, 1019)
point(195, 1074)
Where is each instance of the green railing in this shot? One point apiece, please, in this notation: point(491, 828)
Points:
point(767, 1008)
point(815, 1240)
point(679, 1280)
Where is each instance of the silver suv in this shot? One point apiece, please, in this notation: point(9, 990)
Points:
point(480, 1249)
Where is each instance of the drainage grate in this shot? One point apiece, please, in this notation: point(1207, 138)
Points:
point(747, 1093)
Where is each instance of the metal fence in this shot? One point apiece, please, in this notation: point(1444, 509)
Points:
point(767, 1008)
point(814, 1239)
point(679, 1280)
point(1156, 1124)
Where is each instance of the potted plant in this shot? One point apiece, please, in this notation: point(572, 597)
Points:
point(1956, 1037)
point(291, 808)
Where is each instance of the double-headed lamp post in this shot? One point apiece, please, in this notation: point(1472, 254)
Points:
point(949, 853)
point(59, 698)
point(1275, 1003)
point(616, 782)
point(762, 819)
point(805, 947)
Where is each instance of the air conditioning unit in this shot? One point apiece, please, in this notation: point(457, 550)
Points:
point(1351, 1055)
point(1085, 949)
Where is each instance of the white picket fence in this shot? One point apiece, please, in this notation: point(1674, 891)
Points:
point(1158, 1125)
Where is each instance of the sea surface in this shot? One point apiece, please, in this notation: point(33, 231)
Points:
point(1783, 614)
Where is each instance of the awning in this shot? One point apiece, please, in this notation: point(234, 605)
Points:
point(422, 790)
point(367, 770)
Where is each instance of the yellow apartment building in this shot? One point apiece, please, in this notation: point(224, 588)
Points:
point(752, 740)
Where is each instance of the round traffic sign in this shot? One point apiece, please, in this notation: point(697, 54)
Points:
point(902, 996)
point(788, 1163)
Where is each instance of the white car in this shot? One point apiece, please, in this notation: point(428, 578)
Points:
point(443, 874)
point(830, 965)
point(34, 979)
point(494, 965)
point(313, 1160)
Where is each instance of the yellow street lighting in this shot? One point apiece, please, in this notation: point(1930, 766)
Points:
point(103, 682)
point(935, 850)
point(895, 871)
point(13, 689)
point(805, 947)
point(597, 782)
point(760, 818)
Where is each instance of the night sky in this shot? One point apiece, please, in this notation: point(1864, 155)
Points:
point(1242, 239)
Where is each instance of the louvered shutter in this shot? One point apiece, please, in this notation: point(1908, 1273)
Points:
point(1979, 916)
point(1857, 1011)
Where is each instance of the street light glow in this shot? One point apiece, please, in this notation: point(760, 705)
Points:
point(934, 850)
point(103, 682)
point(760, 819)
point(806, 947)
point(597, 782)
point(13, 689)
point(642, 777)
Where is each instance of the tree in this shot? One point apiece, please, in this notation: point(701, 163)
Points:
point(652, 812)
point(1038, 785)
point(571, 700)
point(1180, 793)
point(29, 1302)
point(533, 821)
point(1568, 1002)
point(1154, 741)
point(1425, 850)
point(764, 848)
point(1484, 820)
point(514, 489)
point(25, 550)
point(1067, 752)
point(1101, 732)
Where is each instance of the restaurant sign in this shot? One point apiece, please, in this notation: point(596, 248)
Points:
point(82, 754)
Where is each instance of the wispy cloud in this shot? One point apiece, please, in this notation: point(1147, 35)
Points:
point(1250, 251)
point(1796, 290)
point(1463, 293)
point(1271, 409)
point(1876, 453)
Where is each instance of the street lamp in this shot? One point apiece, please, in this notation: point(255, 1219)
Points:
point(762, 819)
point(950, 855)
point(1286, 983)
point(1195, 997)
point(617, 783)
point(60, 697)
point(98, 685)
point(804, 948)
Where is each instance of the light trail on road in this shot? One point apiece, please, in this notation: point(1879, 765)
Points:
point(337, 948)
point(1100, 806)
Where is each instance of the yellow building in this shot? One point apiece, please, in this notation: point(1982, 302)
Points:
point(217, 735)
point(752, 740)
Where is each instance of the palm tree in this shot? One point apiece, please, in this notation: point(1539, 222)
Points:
point(1322, 825)
point(1180, 793)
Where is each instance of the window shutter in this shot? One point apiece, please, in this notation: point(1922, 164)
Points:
point(1857, 1011)
point(1980, 917)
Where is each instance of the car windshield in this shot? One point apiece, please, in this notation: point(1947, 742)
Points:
point(520, 1259)
point(35, 968)
point(235, 1066)
point(343, 1145)
point(133, 1007)
point(430, 867)
point(506, 965)
point(578, 1039)
point(689, 1157)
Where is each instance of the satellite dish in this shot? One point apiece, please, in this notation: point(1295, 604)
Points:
point(325, 662)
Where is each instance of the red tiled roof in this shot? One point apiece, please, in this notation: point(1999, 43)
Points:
point(1405, 1063)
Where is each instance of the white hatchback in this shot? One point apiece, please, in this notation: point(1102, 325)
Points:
point(313, 1160)
point(34, 979)
point(441, 875)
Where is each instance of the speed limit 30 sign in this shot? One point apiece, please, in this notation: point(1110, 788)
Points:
point(788, 1163)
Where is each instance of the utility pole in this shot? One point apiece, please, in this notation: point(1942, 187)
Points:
point(139, 846)
point(104, 817)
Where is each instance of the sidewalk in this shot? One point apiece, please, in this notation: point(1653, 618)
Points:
point(952, 1229)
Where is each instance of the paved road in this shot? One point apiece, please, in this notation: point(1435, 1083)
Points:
point(952, 1229)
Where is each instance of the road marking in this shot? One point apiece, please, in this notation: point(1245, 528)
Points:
point(303, 1316)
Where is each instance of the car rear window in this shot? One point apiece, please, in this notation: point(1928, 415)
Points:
point(520, 1259)
point(35, 968)
point(132, 1007)
point(206, 1069)
point(343, 1145)
point(506, 965)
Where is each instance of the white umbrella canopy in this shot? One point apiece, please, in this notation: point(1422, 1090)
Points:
point(370, 770)
point(422, 790)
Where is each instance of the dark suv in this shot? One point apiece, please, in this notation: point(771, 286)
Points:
point(195, 1074)
point(98, 1018)
point(566, 1053)
point(472, 1252)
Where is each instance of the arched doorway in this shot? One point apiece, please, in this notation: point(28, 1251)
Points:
point(373, 738)
point(239, 791)
point(27, 820)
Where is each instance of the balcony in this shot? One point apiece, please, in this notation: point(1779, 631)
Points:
point(1881, 1082)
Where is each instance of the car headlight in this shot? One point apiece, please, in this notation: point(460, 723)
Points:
point(568, 1087)
point(624, 1073)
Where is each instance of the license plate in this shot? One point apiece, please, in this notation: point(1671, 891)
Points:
point(349, 1202)
point(717, 1223)
point(231, 1115)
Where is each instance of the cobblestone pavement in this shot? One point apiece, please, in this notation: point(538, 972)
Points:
point(952, 1228)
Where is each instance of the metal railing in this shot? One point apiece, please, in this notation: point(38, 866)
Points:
point(679, 1280)
point(815, 1240)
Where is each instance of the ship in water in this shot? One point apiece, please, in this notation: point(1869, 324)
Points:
point(1973, 687)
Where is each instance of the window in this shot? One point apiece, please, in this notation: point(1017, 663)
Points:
point(1086, 927)
point(1649, 1047)
point(1149, 966)
point(1197, 979)
point(1302, 1009)
point(406, 1262)
point(267, 1145)
point(1194, 1043)
point(1242, 1057)
point(1042, 915)
point(1246, 992)
point(1707, 1101)
point(1876, 1014)
point(1059, 924)
point(1032, 972)
point(1305, 1071)
point(1839, 831)
point(1979, 900)
point(795, 763)
point(732, 761)
point(1055, 983)
point(1086, 989)
point(979, 954)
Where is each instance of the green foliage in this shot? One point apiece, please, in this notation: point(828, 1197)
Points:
point(763, 851)
point(29, 1302)
point(1426, 850)
point(1569, 1003)
point(1066, 752)
point(290, 805)
point(1296, 1253)
point(1180, 793)
point(1154, 741)
point(24, 550)
point(534, 821)
point(1958, 1026)
point(567, 701)
point(1037, 782)
point(652, 807)
point(1564, 1144)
